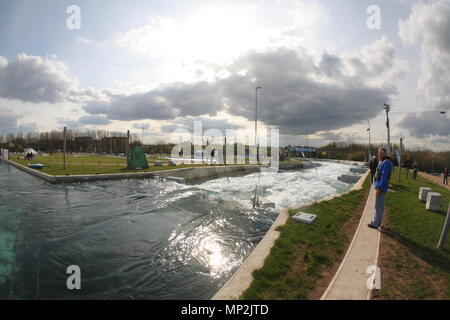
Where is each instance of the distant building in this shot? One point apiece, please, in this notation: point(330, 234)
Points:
point(307, 152)
point(114, 144)
point(83, 144)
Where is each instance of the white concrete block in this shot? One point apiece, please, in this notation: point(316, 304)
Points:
point(433, 201)
point(423, 191)
point(358, 170)
point(176, 179)
point(346, 178)
point(304, 217)
point(172, 163)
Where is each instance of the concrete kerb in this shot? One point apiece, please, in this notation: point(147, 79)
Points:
point(189, 174)
point(44, 176)
point(243, 277)
point(332, 282)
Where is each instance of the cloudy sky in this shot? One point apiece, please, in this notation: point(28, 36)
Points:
point(325, 67)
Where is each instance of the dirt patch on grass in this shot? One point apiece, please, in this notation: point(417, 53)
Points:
point(405, 276)
point(348, 230)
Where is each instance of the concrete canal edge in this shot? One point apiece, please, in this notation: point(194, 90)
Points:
point(243, 277)
point(188, 174)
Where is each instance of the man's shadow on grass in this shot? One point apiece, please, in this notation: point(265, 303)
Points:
point(437, 258)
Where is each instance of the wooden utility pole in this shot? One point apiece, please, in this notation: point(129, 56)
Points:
point(225, 151)
point(65, 146)
point(400, 159)
point(128, 149)
point(444, 233)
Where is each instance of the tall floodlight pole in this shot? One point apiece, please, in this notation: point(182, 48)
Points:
point(256, 123)
point(388, 108)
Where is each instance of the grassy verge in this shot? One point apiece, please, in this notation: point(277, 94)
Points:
point(303, 254)
point(411, 266)
point(93, 165)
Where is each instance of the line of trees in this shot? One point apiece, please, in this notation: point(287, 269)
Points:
point(101, 141)
point(428, 160)
point(77, 141)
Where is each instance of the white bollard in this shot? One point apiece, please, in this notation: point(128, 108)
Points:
point(423, 191)
point(433, 201)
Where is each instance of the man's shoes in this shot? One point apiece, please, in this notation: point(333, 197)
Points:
point(371, 225)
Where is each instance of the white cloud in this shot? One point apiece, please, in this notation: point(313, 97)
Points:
point(156, 38)
point(428, 26)
point(141, 126)
point(302, 21)
point(94, 120)
point(10, 123)
point(34, 79)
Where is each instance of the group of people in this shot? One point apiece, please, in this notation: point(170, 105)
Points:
point(408, 166)
point(29, 156)
point(381, 168)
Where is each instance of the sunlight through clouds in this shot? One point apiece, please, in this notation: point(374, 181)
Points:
point(220, 34)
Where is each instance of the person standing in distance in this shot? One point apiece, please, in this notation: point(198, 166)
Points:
point(382, 176)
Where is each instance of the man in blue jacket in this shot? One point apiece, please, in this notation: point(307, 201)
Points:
point(382, 176)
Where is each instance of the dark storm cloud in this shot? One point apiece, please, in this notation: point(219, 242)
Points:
point(299, 96)
point(164, 103)
point(293, 98)
point(426, 124)
point(196, 99)
point(133, 107)
point(330, 65)
point(207, 123)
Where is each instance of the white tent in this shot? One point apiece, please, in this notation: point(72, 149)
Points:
point(28, 150)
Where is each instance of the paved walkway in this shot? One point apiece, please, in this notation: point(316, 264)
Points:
point(435, 179)
point(350, 281)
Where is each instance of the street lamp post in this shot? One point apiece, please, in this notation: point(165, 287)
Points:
point(370, 153)
point(400, 159)
point(256, 123)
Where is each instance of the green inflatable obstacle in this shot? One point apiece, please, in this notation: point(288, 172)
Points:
point(138, 160)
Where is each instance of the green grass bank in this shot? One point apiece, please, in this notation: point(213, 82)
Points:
point(411, 266)
point(89, 165)
point(305, 254)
